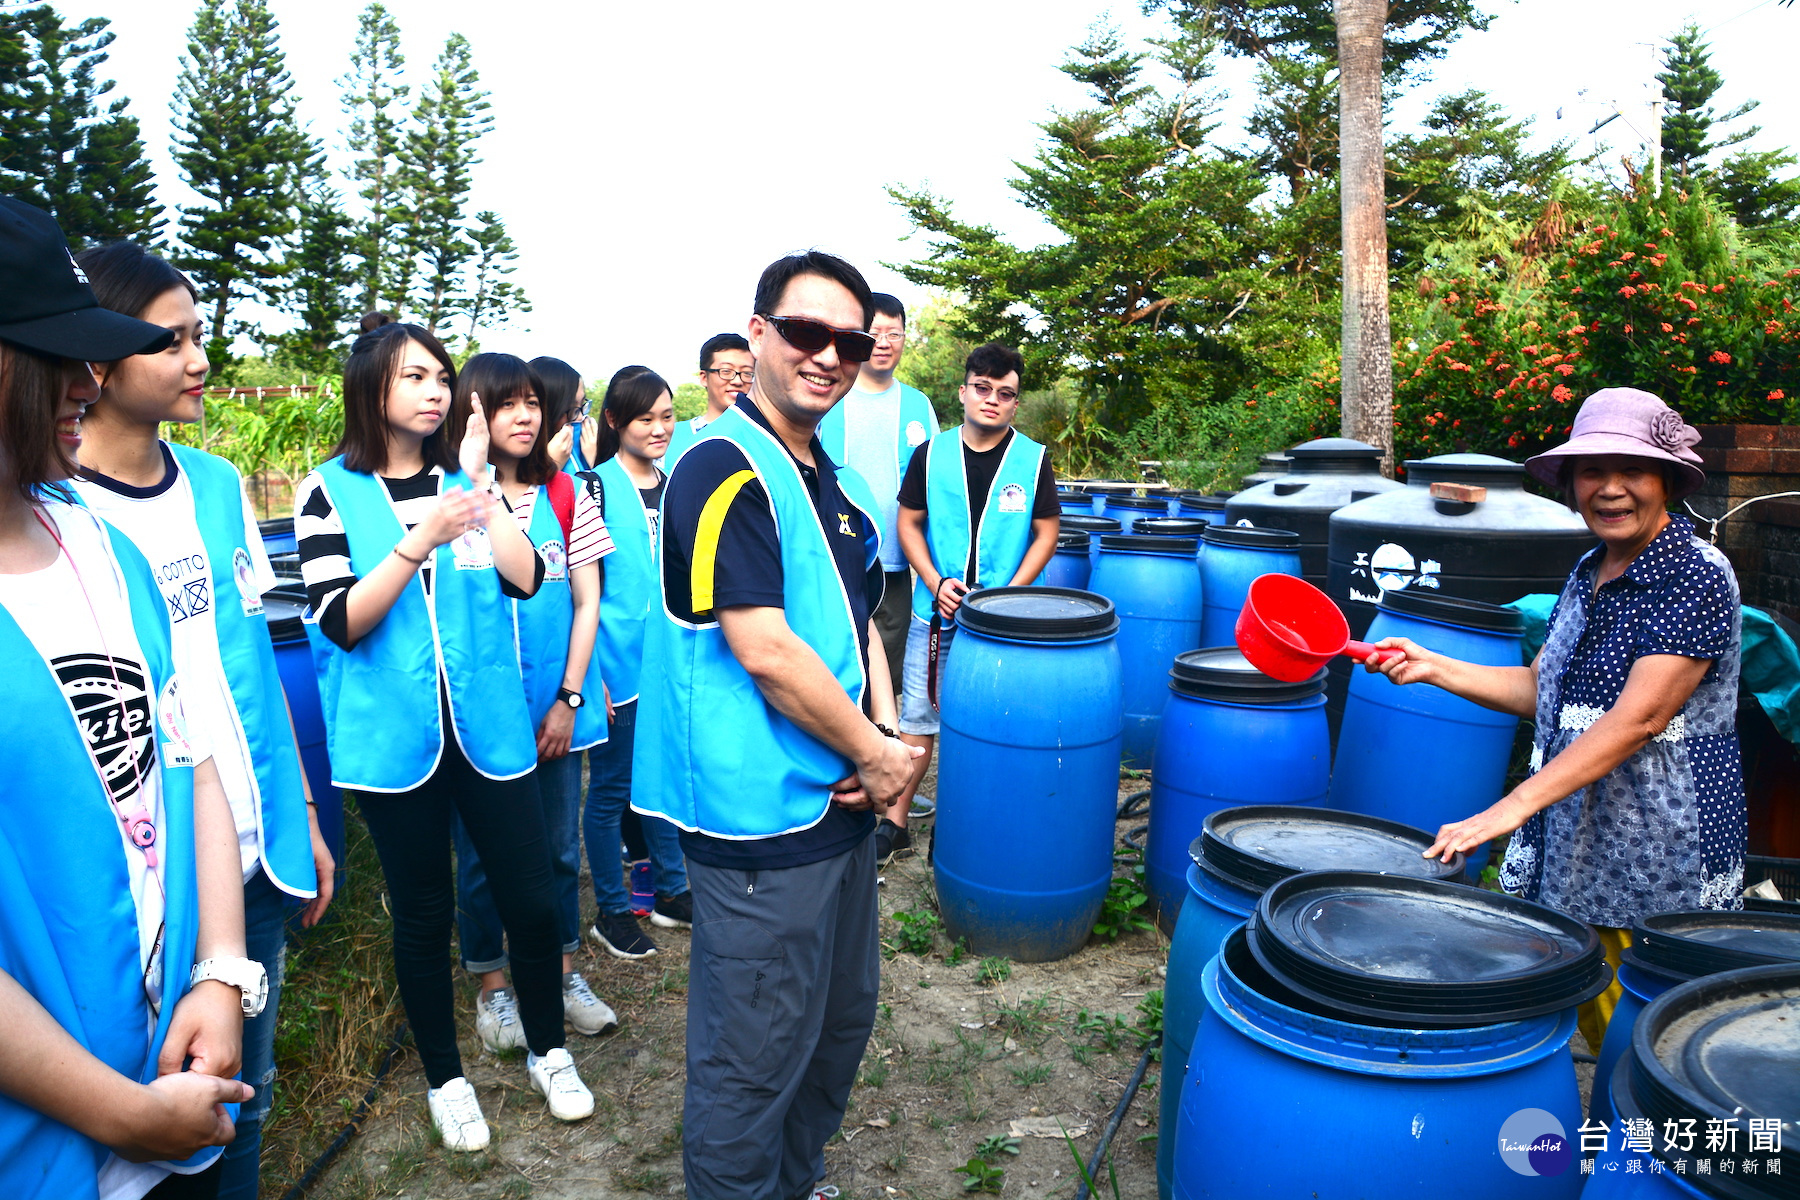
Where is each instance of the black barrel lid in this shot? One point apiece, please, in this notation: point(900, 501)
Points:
point(1453, 610)
point(1072, 539)
point(1139, 503)
point(1072, 493)
point(1484, 470)
point(1252, 536)
point(1333, 455)
point(1633, 957)
point(1187, 527)
point(1223, 673)
point(276, 526)
point(1424, 952)
point(1106, 487)
point(1038, 614)
point(1262, 844)
point(1710, 941)
point(1204, 502)
point(283, 606)
point(1724, 1047)
point(1090, 524)
point(1148, 543)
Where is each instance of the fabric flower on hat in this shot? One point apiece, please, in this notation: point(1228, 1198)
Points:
point(1671, 433)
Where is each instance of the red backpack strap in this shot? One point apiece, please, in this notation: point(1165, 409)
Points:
point(562, 499)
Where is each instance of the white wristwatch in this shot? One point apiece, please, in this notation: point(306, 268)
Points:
point(246, 975)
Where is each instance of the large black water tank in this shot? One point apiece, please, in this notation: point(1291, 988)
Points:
point(1325, 475)
point(1269, 466)
point(1508, 545)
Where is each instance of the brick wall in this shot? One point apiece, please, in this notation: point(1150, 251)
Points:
point(1762, 541)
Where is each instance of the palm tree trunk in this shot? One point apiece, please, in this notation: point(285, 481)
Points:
point(1368, 384)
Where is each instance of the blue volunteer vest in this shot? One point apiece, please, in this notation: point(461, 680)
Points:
point(631, 584)
point(683, 436)
point(712, 755)
point(383, 727)
point(70, 932)
point(916, 425)
point(1005, 522)
point(542, 624)
point(284, 834)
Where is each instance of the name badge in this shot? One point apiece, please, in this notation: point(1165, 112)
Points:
point(249, 595)
point(472, 551)
point(1012, 499)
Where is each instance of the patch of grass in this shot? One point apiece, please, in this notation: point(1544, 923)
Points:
point(1123, 909)
point(1150, 1019)
point(993, 970)
point(979, 1176)
point(1033, 1075)
point(339, 1006)
point(1026, 1021)
point(999, 1143)
point(1108, 1031)
point(641, 1179)
point(874, 1074)
point(958, 951)
point(918, 931)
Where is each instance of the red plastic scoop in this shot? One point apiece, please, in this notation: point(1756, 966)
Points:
point(1288, 629)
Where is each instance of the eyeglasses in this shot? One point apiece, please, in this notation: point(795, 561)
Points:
point(581, 413)
point(802, 333)
point(882, 339)
point(731, 374)
point(983, 391)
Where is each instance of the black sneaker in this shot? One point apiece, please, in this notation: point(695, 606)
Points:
point(890, 840)
point(673, 912)
point(620, 934)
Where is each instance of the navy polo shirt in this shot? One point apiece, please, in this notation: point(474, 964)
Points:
point(747, 571)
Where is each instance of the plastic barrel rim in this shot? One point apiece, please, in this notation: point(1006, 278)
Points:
point(1710, 941)
point(1251, 537)
point(1038, 614)
point(1223, 673)
point(1088, 524)
point(1143, 543)
point(1452, 610)
point(1237, 841)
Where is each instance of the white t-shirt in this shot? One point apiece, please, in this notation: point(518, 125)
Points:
point(160, 521)
point(81, 625)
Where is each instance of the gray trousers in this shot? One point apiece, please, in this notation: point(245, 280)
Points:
point(783, 978)
point(892, 617)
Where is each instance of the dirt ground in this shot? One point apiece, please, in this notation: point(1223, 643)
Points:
point(958, 1056)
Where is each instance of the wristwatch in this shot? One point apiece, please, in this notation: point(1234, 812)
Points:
point(246, 975)
point(572, 699)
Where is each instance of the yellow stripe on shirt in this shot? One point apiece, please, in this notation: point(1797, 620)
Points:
point(706, 539)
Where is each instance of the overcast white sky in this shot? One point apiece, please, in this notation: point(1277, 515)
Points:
point(650, 159)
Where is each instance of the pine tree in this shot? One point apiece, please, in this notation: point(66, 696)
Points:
point(241, 148)
point(374, 99)
point(435, 164)
point(59, 149)
point(318, 280)
point(491, 295)
point(1689, 84)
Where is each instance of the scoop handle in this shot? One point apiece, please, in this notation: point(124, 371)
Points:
point(1360, 651)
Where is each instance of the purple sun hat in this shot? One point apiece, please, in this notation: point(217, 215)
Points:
point(1629, 422)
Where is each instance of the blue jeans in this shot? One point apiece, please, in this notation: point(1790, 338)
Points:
point(266, 911)
point(477, 920)
point(609, 792)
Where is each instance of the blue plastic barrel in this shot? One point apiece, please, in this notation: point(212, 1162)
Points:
point(278, 535)
point(1127, 509)
point(1230, 557)
point(1102, 490)
point(1153, 585)
point(1069, 566)
point(1093, 527)
point(299, 680)
point(1186, 527)
point(1028, 771)
point(1201, 507)
point(1229, 736)
point(1074, 502)
point(1639, 984)
point(1418, 754)
point(1412, 1114)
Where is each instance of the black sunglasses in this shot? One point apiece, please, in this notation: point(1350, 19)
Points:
point(802, 333)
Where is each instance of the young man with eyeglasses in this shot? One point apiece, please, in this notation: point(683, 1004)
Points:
point(726, 369)
point(874, 432)
point(761, 714)
point(977, 509)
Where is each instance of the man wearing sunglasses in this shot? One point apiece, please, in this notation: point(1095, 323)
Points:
point(726, 370)
point(874, 432)
point(763, 700)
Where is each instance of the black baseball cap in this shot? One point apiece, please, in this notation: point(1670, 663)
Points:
point(46, 305)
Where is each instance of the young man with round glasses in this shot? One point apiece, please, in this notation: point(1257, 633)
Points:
point(726, 369)
point(874, 432)
point(977, 509)
point(762, 710)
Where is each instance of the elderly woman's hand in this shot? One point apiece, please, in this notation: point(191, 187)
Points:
point(1504, 816)
point(1414, 663)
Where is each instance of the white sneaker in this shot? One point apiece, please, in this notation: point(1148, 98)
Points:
point(554, 1075)
point(497, 1020)
point(584, 1011)
point(456, 1115)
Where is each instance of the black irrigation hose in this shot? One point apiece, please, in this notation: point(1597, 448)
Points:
point(1134, 804)
point(395, 1045)
point(1584, 1058)
point(1118, 1117)
point(1134, 837)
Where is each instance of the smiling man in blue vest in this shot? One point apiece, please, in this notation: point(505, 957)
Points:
point(765, 737)
point(977, 509)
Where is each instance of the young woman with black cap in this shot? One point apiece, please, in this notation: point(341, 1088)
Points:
point(121, 952)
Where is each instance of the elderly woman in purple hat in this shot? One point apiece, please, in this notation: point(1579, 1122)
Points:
point(1635, 799)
